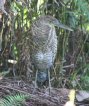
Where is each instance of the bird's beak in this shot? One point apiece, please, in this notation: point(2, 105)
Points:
point(60, 25)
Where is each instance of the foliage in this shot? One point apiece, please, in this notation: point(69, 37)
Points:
point(73, 47)
point(15, 100)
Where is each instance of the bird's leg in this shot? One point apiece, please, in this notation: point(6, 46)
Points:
point(35, 82)
point(49, 81)
point(36, 79)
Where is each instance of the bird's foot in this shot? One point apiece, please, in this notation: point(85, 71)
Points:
point(48, 90)
point(35, 87)
point(34, 90)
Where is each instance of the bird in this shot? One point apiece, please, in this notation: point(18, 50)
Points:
point(43, 48)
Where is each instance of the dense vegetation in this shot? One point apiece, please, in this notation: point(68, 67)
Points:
point(72, 62)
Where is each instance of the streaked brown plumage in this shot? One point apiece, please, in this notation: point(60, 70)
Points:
point(44, 45)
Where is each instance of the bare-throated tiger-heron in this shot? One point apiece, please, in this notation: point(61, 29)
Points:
point(44, 49)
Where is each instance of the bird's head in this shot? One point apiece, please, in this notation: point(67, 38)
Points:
point(53, 22)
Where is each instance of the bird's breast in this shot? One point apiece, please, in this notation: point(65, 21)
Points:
point(44, 49)
point(43, 60)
